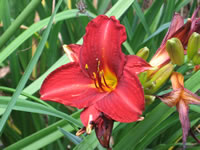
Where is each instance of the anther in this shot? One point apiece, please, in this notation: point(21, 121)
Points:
point(86, 66)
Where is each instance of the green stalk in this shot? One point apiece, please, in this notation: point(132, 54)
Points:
point(28, 71)
point(18, 21)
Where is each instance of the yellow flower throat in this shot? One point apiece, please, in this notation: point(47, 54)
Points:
point(104, 80)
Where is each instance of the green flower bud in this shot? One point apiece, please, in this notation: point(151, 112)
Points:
point(175, 50)
point(158, 79)
point(196, 59)
point(143, 77)
point(149, 99)
point(143, 53)
point(193, 45)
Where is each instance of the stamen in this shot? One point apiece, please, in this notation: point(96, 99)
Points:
point(100, 80)
point(98, 65)
point(94, 74)
point(100, 83)
point(95, 84)
point(104, 80)
point(86, 66)
point(97, 81)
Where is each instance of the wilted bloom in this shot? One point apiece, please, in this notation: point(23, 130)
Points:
point(101, 79)
point(179, 30)
point(181, 98)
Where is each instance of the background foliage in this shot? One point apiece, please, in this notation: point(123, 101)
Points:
point(31, 47)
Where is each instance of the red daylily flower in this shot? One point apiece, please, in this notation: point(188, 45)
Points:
point(179, 30)
point(101, 79)
point(181, 98)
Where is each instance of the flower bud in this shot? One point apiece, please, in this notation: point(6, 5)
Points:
point(143, 53)
point(193, 45)
point(175, 50)
point(196, 59)
point(158, 79)
point(149, 99)
point(143, 77)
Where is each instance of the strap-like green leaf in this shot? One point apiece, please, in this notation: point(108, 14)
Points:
point(28, 71)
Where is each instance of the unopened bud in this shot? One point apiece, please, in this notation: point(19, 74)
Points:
point(196, 59)
point(149, 99)
point(150, 84)
point(175, 50)
point(193, 45)
point(143, 77)
point(158, 79)
point(143, 53)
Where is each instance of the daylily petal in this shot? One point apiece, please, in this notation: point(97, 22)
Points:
point(89, 114)
point(126, 102)
point(195, 27)
point(183, 109)
point(102, 124)
point(72, 51)
point(195, 13)
point(182, 33)
point(103, 129)
point(176, 23)
point(102, 46)
point(136, 64)
point(190, 97)
point(160, 58)
point(69, 86)
point(177, 80)
point(172, 98)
